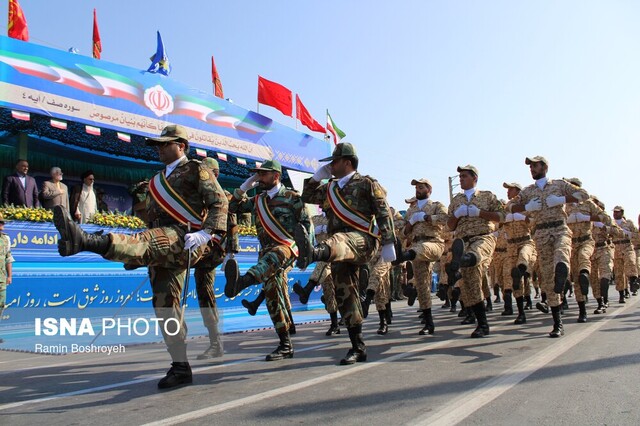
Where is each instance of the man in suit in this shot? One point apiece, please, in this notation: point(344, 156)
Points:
point(20, 189)
point(54, 192)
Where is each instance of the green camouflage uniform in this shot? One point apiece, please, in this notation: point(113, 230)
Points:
point(274, 259)
point(350, 247)
point(161, 247)
point(322, 271)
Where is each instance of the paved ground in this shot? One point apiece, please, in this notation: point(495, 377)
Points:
point(516, 375)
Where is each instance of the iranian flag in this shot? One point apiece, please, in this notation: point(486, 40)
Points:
point(242, 161)
point(222, 156)
point(124, 137)
point(115, 85)
point(335, 132)
point(95, 131)
point(19, 115)
point(59, 124)
point(201, 152)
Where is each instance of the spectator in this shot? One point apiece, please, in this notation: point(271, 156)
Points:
point(84, 200)
point(54, 192)
point(20, 189)
point(103, 207)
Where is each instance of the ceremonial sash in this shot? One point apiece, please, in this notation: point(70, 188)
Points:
point(271, 225)
point(172, 203)
point(347, 214)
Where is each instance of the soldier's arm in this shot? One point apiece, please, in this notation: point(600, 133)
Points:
point(515, 205)
point(452, 221)
point(495, 212)
point(440, 216)
point(574, 194)
point(382, 213)
point(301, 214)
point(313, 192)
point(240, 203)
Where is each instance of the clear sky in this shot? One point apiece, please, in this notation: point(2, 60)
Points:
point(419, 87)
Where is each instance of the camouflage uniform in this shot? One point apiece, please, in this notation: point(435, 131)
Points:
point(274, 259)
point(161, 247)
point(520, 251)
point(427, 242)
point(602, 259)
point(322, 271)
point(350, 247)
point(398, 273)
point(5, 255)
point(624, 261)
point(379, 280)
point(499, 262)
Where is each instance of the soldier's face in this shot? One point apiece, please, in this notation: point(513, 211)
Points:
point(339, 167)
point(422, 191)
point(538, 170)
point(617, 214)
point(170, 151)
point(467, 180)
point(512, 192)
point(267, 179)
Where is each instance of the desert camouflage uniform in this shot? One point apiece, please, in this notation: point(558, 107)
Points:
point(624, 260)
point(602, 258)
point(5, 257)
point(499, 260)
point(521, 250)
point(322, 271)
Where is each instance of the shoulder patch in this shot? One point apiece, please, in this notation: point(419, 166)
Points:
point(204, 175)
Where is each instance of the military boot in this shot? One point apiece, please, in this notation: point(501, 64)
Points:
point(622, 297)
point(73, 239)
point(367, 302)
point(600, 309)
point(402, 255)
point(235, 284)
point(180, 371)
point(634, 285)
point(516, 276)
point(358, 351)
point(333, 328)
point(521, 318)
point(292, 326)
point(215, 346)
point(389, 312)
point(470, 318)
point(411, 293)
point(409, 270)
point(584, 282)
point(528, 303)
point(284, 349)
point(429, 327)
point(560, 277)
point(558, 328)
point(508, 303)
point(363, 278)
point(460, 259)
point(582, 312)
point(604, 291)
point(304, 292)
point(252, 307)
point(382, 329)
point(496, 291)
point(481, 315)
point(455, 295)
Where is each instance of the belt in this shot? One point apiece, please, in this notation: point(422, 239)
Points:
point(549, 225)
point(602, 244)
point(466, 239)
point(581, 239)
point(519, 240)
point(622, 242)
point(500, 250)
point(424, 238)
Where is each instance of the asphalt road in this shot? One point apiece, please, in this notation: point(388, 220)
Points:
point(515, 375)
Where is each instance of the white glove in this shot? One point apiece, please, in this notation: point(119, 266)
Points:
point(320, 229)
point(533, 205)
point(193, 240)
point(555, 200)
point(474, 211)
point(323, 172)
point(388, 252)
point(250, 183)
point(417, 217)
point(581, 217)
point(508, 217)
point(461, 211)
point(519, 217)
point(572, 218)
point(598, 224)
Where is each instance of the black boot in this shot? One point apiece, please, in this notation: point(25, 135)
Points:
point(634, 285)
point(622, 297)
point(292, 326)
point(542, 307)
point(470, 318)
point(180, 371)
point(367, 302)
point(489, 307)
point(508, 304)
point(558, 328)
point(604, 291)
point(411, 293)
point(358, 351)
point(305, 249)
point(521, 318)
point(528, 303)
point(304, 292)
point(401, 255)
point(582, 314)
point(215, 347)
point(560, 277)
point(429, 327)
point(516, 276)
point(537, 292)
point(583, 282)
point(383, 329)
point(600, 309)
point(443, 289)
point(409, 270)
point(284, 349)
point(483, 326)
point(234, 283)
point(363, 278)
point(73, 239)
point(496, 291)
point(333, 328)
point(252, 307)
point(389, 312)
point(455, 295)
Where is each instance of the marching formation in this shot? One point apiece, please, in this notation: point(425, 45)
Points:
point(552, 235)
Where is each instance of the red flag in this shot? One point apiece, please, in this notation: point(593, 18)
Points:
point(275, 95)
point(17, 22)
point(97, 43)
point(305, 118)
point(215, 78)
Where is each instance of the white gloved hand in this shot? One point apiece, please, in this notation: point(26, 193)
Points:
point(250, 183)
point(533, 205)
point(508, 217)
point(193, 240)
point(555, 200)
point(320, 229)
point(581, 217)
point(417, 217)
point(572, 218)
point(519, 217)
point(474, 211)
point(388, 252)
point(598, 224)
point(461, 211)
point(323, 172)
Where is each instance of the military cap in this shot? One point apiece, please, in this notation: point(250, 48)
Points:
point(211, 163)
point(170, 133)
point(468, 168)
point(421, 180)
point(536, 159)
point(343, 149)
point(269, 166)
point(618, 209)
point(512, 185)
point(410, 200)
point(574, 181)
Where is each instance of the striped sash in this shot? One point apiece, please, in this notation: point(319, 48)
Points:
point(172, 203)
point(271, 225)
point(348, 215)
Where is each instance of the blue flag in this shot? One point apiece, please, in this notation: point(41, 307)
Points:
point(160, 61)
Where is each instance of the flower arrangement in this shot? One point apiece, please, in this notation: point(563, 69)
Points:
point(244, 231)
point(32, 214)
point(117, 220)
